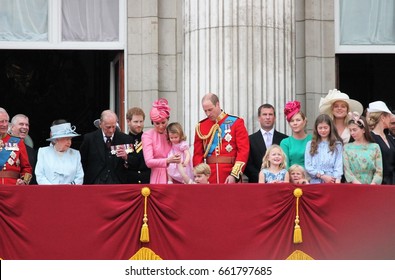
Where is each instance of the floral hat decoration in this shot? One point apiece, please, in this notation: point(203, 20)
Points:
point(160, 110)
point(355, 117)
point(291, 109)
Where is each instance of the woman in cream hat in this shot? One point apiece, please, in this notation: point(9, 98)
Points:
point(337, 105)
point(58, 163)
point(379, 117)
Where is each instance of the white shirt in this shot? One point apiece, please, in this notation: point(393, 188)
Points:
point(268, 137)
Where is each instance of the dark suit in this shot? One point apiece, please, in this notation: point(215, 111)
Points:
point(32, 154)
point(257, 151)
point(138, 173)
point(100, 166)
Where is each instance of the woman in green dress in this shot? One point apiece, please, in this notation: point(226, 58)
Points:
point(295, 145)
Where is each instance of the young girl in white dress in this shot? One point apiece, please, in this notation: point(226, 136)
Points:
point(274, 166)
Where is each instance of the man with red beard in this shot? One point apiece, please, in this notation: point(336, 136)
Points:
point(15, 168)
point(20, 127)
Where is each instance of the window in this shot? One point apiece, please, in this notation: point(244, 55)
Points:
point(62, 24)
point(23, 20)
point(365, 26)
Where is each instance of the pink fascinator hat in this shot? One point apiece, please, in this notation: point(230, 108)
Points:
point(291, 109)
point(160, 110)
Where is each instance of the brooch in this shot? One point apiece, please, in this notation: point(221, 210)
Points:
point(228, 148)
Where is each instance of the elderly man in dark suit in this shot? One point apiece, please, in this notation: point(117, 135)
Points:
point(261, 140)
point(104, 152)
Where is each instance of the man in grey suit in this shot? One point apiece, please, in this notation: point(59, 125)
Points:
point(104, 153)
point(261, 140)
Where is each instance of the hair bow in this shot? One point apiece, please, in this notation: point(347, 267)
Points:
point(356, 118)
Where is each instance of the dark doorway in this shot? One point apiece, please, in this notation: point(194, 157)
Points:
point(50, 84)
point(367, 77)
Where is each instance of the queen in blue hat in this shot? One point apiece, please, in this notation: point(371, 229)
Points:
point(58, 163)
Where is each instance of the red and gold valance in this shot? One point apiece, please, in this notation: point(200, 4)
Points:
point(197, 222)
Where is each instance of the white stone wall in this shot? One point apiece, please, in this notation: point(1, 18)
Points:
point(249, 52)
point(315, 53)
point(154, 54)
point(244, 51)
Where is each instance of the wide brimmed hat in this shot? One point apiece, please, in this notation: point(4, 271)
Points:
point(378, 106)
point(334, 95)
point(62, 130)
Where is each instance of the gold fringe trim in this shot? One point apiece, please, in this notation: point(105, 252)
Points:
point(145, 254)
point(144, 236)
point(299, 255)
point(297, 230)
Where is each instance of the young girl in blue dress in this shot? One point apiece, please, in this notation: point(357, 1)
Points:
point(274, 166)
point(323, 155)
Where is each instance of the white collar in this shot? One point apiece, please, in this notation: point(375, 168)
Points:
point(271, 131)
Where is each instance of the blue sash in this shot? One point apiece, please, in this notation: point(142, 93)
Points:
point(7, 149)
point(225, 125)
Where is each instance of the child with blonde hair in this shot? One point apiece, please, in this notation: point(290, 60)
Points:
point(274, 166)
point(297, 174)
point(179, 172)
point(202, 173)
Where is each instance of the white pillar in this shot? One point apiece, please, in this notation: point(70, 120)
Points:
point(242, 50)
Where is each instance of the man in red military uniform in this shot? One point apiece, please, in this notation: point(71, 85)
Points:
point(15, 168)
point(221, 140)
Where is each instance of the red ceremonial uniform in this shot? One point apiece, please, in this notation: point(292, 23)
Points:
point(223, 145)
point(16, 164)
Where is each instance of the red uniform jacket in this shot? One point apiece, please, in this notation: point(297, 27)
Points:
point(224, 145)
point(16, 162)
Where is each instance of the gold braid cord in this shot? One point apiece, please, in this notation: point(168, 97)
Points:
point(144, 236)
point(297, 230)
point(206, 146)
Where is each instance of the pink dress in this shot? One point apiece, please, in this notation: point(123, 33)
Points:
point(172, 169)
point(156, 147)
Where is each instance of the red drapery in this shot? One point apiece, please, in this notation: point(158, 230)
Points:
point(197, 222)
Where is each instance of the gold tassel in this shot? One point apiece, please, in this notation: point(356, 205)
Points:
point(144, 236)
point(297, 230)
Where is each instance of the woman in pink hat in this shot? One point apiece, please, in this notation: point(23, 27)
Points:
point(295, 145)
point(156, 146)
point(379, 117)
